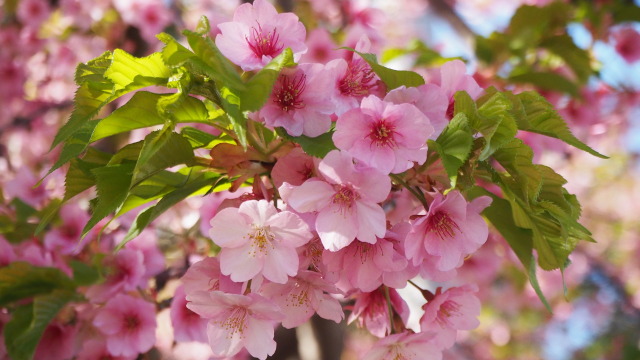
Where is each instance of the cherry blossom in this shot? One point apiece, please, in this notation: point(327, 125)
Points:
point(129, 325)
point(346, 201)
point(257, 239)
point(383, 135)
point(187, 325)
point(300, 101)
point(405, 346)
point(451, 230)
point(66, 238)
point(457, 308)
point(371, 311)
point(237, 321)
point(302, 297)
point(428, 98)
point(205, 275)
point(627, 44)
point(258, 33)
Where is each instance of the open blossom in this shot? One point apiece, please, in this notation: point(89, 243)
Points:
point(346, 200)
point(451, 230)
point(405, 346)
point(300, 101)
point(125, 271)
point(428, 98)
point(364, 266)
point(187, 325)
point(257, 239)
point(205, 275)
point(294, 168)
point(258, 34)
point(65, 239)
point(129, 324)
point(627, 43)
point(372, 311)
point(453, 77)
point(237, 321)
point(383, 135)
point(455, 309)
point(302, 297)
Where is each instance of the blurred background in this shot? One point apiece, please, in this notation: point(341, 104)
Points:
point(582, 55)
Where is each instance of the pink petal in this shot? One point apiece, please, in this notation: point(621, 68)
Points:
point(241, 264)
point(336, 230)
point(259, 338)
point(371, 222)
point(280, 262)
point(258, 211)
point(229, 228)
point(312, 195)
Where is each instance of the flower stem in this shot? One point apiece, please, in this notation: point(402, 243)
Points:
point(390, 309)
point(416, 192)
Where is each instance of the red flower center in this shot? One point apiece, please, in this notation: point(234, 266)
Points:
point(442, 224)
point(288, 90)
point(358, 80)
point(345, 197)
point(131, 322)
point(264, 44)
point(382, 134)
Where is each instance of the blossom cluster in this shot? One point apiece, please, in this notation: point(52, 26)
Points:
point(313, 236)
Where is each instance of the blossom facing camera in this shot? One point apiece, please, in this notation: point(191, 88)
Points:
point(258, 34)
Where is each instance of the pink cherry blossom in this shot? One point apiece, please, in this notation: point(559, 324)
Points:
point(33, 12)
point(125, 272)
point(346, 200)
point(205, 275)
point(428, 98)
point(451, 230)
point(257, 239)
point(294, 168)
point(627, 43)
point(96, 349)
point(57, 342)
point(452, 77)
point(353, 79)
point(300, 101)
point(22, 187)
point(152, 258)
point(187, 325)
point(455, 309)
point(129, 325)
point(405, 345)
point(65, 239)
point(383, 135)
point(372, 311)
point(302, 297)
point(258, 34)
point(237, 321)
point(363, 266)
point(322, 48)
point(7, 254)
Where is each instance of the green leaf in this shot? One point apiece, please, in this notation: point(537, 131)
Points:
point(392, 78)
point(231, 105)
point(496, 123)
point(21, 280)
point(146, 216)
point(576, 58)
point(519, 239)
point(454, 145)
point(259, 87)
point(83, 274)
point(161, 150)
point(198, 138)
point(125, 73)
point(318, 146)
point(142, 111)
point(517, 159)
point(28, 323)
point(542, 118)
point(547, 81)
point(112, 183)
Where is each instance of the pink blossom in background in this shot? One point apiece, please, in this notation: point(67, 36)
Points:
point(258, 34)
point(405, 345)
point(627, 43)
point(57, 342)
point(129, 325)
point(451, 230)
point(300, 101)
point(65, 239)
point(302, 297)
point(96, 349)
point(371, 311)
point(7, 255)
point(383, 135)
point(187, 325)
point(322, 48)
point(257, 239)
point(428, 98)
point(152, 258)
point(149, 16)
point(205, 275)
point(455, 309)
point(32, 13)
point(22, 187)
point(346, 199)
point(237, 321)
point(125, 271)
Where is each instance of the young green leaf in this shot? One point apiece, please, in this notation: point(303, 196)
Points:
point(161, 149)
point(318, 146)
point(259, 87)
point(454, 145)
point(21, 280)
